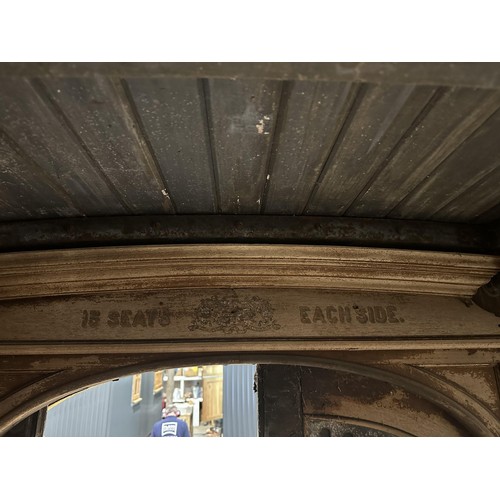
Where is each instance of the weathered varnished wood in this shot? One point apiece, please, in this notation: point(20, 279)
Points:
point(248, 316)
point(106, 143)
point(77, 271)
point(470, 174)
point(76, 372)
point(242, 118)
point(491, 215)
point(468, 74)
point(415, 166)
point(310, 120)
point(24, 190)
point(173, 117)
point(477, 203)
point(32, 426)
point(72, 318)
point(328, 393)
point(52, 347)
point(93, 110)
point(54, 162)
point(488, 347)
point(377, 122)
point(479, 382)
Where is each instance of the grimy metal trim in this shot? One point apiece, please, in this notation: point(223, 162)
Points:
point(274, 229)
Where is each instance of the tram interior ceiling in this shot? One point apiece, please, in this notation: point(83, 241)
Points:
point(336, 224)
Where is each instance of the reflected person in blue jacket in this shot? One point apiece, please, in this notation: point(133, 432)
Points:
point(170, 425)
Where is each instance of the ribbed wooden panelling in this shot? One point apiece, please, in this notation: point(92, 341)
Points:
point(104, 145)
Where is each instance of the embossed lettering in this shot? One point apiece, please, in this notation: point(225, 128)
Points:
point(330, 314)
point(164, 317)
point(304, 318)
point(380, 314)
point(91, 318)
point(85, 318)
point(361, 315)
point(391, 310)
point(318, 315)
point(114, 319)
point(125, 318)
point(151, 314)
point(344, 314)
point(371, 316)
point(139, 319)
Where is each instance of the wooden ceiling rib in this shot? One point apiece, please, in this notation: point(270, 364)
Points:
point(243, 116)
point(300, 151)
point(448, 119)
point(56, 153)
point(95, 112)
point(110, 144)
point(376, 123)
point(172, 117)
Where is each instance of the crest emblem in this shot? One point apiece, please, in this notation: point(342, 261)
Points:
point(232, 314)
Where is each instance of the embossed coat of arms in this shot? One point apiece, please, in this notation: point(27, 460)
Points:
point(232, 314)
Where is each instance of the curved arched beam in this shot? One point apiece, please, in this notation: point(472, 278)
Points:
point(44, 294)
point(472, 415)
point(115, 269)
point(197, 298)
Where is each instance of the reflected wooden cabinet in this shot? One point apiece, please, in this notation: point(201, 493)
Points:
point(212, 393)
point(200, 386)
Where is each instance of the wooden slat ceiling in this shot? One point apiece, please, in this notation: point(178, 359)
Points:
point(102, 144)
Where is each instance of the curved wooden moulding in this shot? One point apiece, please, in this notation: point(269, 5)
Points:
point(68, 310)
point(185, 298)
point(114, 269)
point(43, 390)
